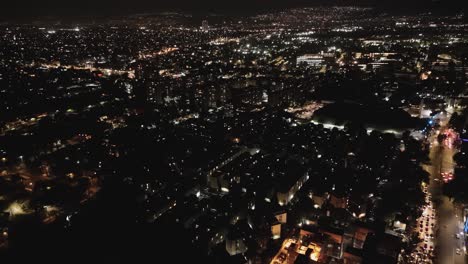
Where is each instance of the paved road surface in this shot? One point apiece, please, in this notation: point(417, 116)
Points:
point(448, 220)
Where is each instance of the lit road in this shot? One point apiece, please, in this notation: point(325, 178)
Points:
point(425, 228)
point(450, 248)
point(105, 71)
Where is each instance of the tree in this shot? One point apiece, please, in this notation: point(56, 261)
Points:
point(456, 189)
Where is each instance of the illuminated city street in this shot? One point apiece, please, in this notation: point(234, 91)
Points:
point(449, 228)
point(425, 227)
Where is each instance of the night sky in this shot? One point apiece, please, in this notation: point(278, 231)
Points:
point(84, 8)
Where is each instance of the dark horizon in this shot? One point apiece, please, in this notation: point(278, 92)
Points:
point(31, 10)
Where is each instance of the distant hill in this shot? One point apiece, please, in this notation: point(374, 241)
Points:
point(83, 8)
